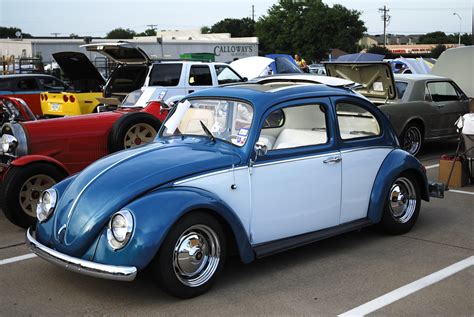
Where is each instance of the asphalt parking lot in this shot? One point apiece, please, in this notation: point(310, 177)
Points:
point(327, 278)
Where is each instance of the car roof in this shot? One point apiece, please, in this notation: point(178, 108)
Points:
point(418, 77)
point(187, 62)
point(24, 76)
point(267, 94)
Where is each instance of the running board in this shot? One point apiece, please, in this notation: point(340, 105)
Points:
point(269, 248)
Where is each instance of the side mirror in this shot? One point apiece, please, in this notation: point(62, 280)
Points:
point(164, 107)
point(261, 149)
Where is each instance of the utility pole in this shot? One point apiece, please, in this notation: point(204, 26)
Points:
point(153, 26)
point(386, 20)
point(55, 34)
point(253, 13)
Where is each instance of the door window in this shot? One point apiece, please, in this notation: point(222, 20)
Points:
point(226, 75)
point(27, 84)
point(200, 75)
point(356, 122)
point(165, 75)
point(442, 91)
point(293, 127)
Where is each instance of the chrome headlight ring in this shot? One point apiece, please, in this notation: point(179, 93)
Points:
point(17, 131)
point(9, 143)
point(120, 229)
point(46, 204)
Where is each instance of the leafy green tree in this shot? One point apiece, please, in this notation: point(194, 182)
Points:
point(11, 32)
point(120, 33)
point(312, 28)
point(437, 50)
point(147, 32)
point(236, 27)
point(437, 37)
point(205, 30)
point(375, 49)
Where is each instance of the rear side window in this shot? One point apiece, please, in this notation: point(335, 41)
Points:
point(27, 84)
point(200, 75)
point(442, 91)
point(165, 75)
point(356, 122)
point(401, 88)
point(5, 84)
point(51, 84)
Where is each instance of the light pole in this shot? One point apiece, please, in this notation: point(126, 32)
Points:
point(460, 26)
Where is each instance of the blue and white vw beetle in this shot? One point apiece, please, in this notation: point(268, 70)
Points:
point(258, 167)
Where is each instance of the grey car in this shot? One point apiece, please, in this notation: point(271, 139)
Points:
point(420, 107)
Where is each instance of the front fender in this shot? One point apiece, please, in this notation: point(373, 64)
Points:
point(396, 162)
point(156, 213)
point(28, 159)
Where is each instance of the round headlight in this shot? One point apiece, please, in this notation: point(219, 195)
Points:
point(46, 204)
point(9, 143)
point(120, 229)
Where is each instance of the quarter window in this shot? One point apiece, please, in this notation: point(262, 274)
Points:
point(200, 75)
point(442, 91)
point(356, 122)
point(225, 75)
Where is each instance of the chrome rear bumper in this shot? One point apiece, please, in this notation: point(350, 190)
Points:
point(110, 272)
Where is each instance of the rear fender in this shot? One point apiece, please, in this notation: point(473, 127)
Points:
point(396, 162)
point(156, 213)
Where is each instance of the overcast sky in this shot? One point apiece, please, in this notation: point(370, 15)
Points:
point(97, 17)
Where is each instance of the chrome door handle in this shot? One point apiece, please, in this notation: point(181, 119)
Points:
point(331, 160)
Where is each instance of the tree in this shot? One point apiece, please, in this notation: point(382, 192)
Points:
point(437, 37)
point(120, 33)
point(379, 50)
point(147, 32)
point(205, 29)
point(236, 27)
point(436, 51)
point(312, 29)
point(11, 32)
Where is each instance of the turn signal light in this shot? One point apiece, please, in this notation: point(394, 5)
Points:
point(65, 98)
point(72, 99)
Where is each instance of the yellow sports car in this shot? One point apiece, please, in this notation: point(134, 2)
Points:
point(87, 83)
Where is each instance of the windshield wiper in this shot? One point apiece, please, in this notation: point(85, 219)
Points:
point(208, 133)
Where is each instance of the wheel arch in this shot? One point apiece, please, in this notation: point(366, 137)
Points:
point(396, 163)
point(157, 212)
point(419, 122)
point(32, 159)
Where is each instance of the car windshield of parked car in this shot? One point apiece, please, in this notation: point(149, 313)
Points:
point(227, 120)
point(226, 75)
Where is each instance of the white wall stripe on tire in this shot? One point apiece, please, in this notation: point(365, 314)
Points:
point(408, 289)
point(17, 258)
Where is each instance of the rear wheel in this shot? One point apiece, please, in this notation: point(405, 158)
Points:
point(22, 188)
point(132, 130)
point(191, 256)
point(402, 205)
point(412, 138)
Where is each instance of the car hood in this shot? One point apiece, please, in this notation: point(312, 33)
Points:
point(375, 78)
point(76, 66)
point(251, 67)
point(111, 183)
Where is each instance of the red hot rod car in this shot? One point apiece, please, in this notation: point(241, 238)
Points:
point(37, 154)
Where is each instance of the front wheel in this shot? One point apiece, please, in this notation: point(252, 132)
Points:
point(191, 256)
point(402, 205)
point(22, 188)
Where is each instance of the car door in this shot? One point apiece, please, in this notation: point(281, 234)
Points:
point(199, 78)
point(296, 185)
point(449, 103)
point(361, 138)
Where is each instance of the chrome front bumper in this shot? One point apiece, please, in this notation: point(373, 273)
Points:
point(110, 272)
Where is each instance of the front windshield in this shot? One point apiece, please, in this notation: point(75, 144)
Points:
point(227, 120)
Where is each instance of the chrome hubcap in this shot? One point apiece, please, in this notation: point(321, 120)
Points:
point(31, 191)
point(412, 140)
point(138, 134)
point(196, 255)
point(402, 200)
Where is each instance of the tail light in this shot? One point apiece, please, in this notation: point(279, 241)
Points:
point(65, 98)
point(41, 97)
point(45, 97)
point(72, 99)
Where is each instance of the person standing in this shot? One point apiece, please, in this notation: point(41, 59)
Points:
point(301, 63)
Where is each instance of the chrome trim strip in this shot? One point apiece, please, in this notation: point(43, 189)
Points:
point(367, 148)
point(296, 159)
point(146, 150)
point(110, 272)
point(208, 174)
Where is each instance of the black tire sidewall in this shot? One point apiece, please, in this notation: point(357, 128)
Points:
point(404, 133)
point(162, 265)
point(11, 186)
point(388, 223)
point(124, 123)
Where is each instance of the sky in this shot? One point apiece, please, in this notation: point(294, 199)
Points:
point(97, 17)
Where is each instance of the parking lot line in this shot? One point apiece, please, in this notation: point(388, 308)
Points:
point(431, 166)
point(460, 192)
point(17, 258)
point(408, 289)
